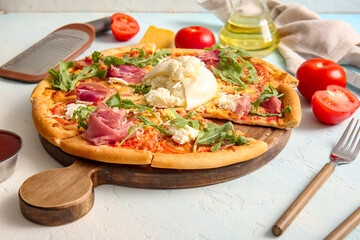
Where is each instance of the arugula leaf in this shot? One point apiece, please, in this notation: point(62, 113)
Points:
point(239, 51)
point(213, 132)
point(216, 147)
point(180, 122)
point(116, 101)
point(62, 78)
point(143, 88)
point(266, 94)
point(109, 60)
point(217, 135)
point(239, 140)
point(143, 59)
point(190, 114)
point(96, 56)
point(112, 60)
point(82, 113)
point(231, 67)
point(92, 70)
point(132, 129)
point(208, 136)
point(286, 109)
point(147, 122)
point(65, 81)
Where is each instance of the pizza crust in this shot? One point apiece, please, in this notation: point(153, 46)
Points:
point(183, 51)
point(40, 88)
point(104, 153)
point(47, 127)
point(206, 160)
point(121, 50)
point(290, 98)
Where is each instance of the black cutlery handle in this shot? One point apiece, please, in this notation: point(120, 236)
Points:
point(101, 25)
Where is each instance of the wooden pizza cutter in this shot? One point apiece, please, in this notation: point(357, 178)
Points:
point(60, 196)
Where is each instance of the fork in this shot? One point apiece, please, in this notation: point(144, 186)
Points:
point(345, 227)
point(345, 151)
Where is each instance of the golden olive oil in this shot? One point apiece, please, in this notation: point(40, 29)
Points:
point(255, 34)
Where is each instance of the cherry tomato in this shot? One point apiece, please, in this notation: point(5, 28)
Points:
point(334, 105)
point(316, 74)
point(124, 27)
point(194, 37)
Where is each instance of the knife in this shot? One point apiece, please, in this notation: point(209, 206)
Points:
point(353, 78)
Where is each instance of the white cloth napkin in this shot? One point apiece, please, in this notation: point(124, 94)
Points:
point(303, 34)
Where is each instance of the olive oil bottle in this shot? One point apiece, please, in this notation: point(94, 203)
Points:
point(255, 33)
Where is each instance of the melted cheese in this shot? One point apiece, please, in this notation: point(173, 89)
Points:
point(113, 80)
point(185, 77)
point(227, 101)
point(163, 98)
point(70, 109)
point(184, 135)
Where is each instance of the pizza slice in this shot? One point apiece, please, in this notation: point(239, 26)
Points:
point(166, 138)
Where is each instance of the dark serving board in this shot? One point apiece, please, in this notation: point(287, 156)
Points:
point(60, 196)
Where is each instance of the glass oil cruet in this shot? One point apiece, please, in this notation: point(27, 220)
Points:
point(250, 27)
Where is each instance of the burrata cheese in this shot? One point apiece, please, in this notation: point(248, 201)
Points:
point(180, 82)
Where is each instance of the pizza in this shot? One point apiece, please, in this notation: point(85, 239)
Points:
point(145, 106)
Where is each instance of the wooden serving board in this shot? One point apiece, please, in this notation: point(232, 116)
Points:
point(60, 196)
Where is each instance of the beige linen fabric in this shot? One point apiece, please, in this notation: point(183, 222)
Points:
point(305, 35)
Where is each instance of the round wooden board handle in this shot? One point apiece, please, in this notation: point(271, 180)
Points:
point(58, 196)
point(286, 219)
point(345, 227)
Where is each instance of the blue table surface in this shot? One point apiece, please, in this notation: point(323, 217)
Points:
point(244, 208)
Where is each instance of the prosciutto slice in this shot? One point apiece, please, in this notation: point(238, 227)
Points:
point(128, 73)
point(107, 125)
point(273, 104)
point(210, 57)
point(243, 105)
point(92, 92)
point(83, 62)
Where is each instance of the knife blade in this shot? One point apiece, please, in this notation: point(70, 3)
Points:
point(353, 78)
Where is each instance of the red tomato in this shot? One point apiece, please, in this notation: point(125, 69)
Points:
point(316, 74)
point(334, 105)
point(123, 26)
point(194, 37)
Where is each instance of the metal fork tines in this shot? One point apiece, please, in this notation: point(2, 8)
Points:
point(348, 146)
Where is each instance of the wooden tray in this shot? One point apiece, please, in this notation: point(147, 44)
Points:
point(60, 196)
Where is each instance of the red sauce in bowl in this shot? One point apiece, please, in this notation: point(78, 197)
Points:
point(10, 144)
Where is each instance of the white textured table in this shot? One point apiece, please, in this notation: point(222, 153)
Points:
point(245, 208)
